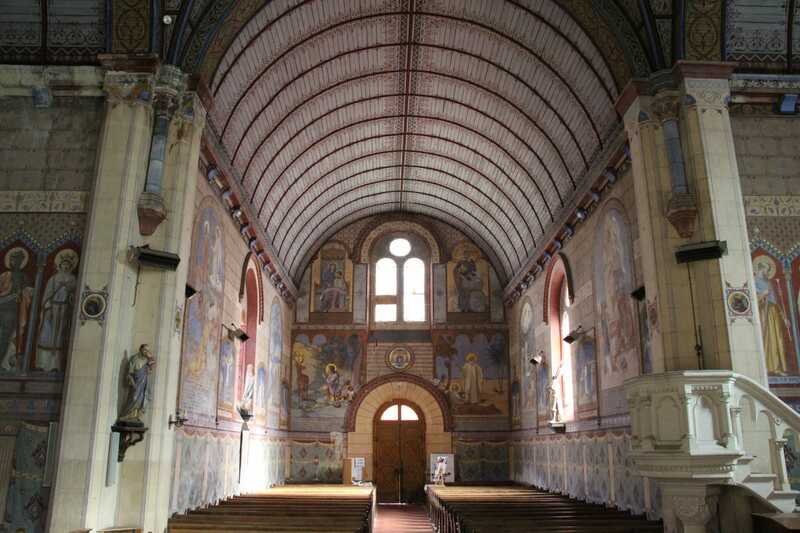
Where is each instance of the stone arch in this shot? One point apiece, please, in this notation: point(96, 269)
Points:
point(364, 247)
point(250, 263)
point(377, 393)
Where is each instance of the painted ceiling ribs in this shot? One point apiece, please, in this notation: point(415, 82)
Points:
point(486, 115)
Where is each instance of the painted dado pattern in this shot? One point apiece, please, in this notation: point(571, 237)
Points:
point(482, 461)
point(593, 467)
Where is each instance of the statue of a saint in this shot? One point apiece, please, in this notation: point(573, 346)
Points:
point(138, 381)
point(554, 396)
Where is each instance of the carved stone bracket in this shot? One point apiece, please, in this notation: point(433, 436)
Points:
point(151, 212)
point(682, 213)
point(128, 436)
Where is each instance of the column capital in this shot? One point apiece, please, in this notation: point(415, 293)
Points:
point(673, 80)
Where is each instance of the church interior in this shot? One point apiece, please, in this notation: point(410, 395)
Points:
point(399, 265)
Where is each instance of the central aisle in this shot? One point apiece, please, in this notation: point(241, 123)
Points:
point(392, 518)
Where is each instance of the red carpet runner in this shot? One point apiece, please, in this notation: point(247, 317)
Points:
point(402, 519)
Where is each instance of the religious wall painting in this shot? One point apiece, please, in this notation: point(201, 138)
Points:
point(399, 358)
point(327, 371)
point(332, 280)
point(467, 280)
point(774, 306)
point(226, 396)
point(615, 315)
point(585, 365)
point(38, 291)
point(17, 280)
point(28, 498)
point(276, 360)
point(56, 310)
point(472, 369)
point(527, 350)
point(261, 394)
point(200, 353)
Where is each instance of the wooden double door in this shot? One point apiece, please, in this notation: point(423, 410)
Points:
point(399, 454)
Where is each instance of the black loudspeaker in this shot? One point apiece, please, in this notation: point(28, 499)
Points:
point(701, 251)
point(146, 256)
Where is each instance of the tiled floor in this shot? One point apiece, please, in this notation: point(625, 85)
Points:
point(402, 519)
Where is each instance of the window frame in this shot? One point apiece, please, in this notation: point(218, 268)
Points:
point(418, 251)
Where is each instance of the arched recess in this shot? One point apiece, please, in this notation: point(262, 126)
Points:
point(558, 296)
point(252, 311)
point(377, 394)
point(250, 263)
point(558, 271)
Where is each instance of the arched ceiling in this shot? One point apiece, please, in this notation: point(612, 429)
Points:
point(482, 114)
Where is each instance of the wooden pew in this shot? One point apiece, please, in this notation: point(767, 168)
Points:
point(289, 509)
point(517, 509)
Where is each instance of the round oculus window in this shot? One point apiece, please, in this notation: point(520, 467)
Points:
point(399, 247)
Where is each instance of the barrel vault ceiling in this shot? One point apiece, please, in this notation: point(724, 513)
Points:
point(483, 114)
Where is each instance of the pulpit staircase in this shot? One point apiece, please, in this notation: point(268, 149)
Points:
point(713, 428)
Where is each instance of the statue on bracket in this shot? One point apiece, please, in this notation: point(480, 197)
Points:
point(138, 380)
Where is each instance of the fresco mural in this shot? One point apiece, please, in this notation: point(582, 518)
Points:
point(473, 370)
point(38, 290)
point(273, 385)
point(774, 305)
point(616, 318)
point(200, 353)
point(585, 366)
point(332, 280)
point(226, 397)
point(467, 280)
point(55, 315)
point(327, 373)
point(524, 398)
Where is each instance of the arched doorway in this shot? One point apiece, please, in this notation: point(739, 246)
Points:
point(399, 452)
point(370, 402)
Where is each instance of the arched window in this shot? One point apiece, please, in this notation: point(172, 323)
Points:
point(399, 412)
point(400, 281)
point(414, 290)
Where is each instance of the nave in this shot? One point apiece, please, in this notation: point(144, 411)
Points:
point(452, 509)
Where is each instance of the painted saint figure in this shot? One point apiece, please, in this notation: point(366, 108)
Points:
point(57, 302)
point(138, 379)
point(333, 289)
point(469, 285)
point(473, 379)
point(332, 383)
point(16, 294)
point(773, 318)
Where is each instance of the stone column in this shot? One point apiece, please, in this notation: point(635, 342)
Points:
point(144, 306)
point(688, 508)
point(687, 191)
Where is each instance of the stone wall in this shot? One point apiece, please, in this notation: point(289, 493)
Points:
point(47, 159)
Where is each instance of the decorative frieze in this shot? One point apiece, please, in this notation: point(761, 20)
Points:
point(44, 201)
point(772, 206)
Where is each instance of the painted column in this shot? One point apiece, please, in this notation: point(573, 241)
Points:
point(144, 307)
point(159, 315)
point(80, 498)
point(686, 303)
point(711, 158)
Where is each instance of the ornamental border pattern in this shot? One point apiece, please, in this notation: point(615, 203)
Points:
point(44, 201)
